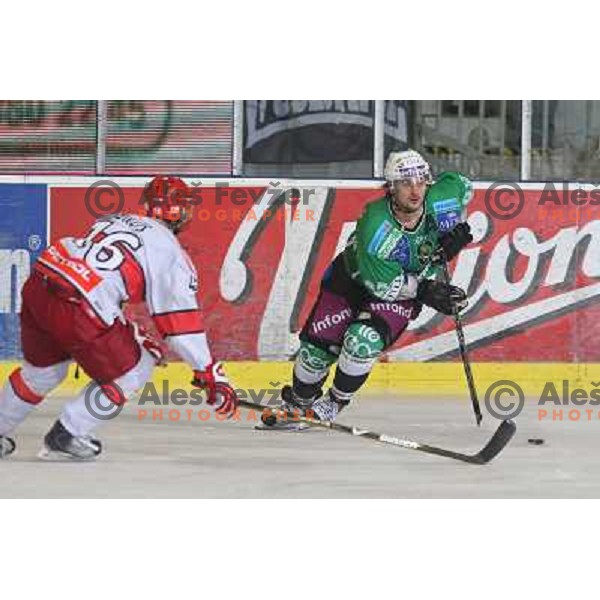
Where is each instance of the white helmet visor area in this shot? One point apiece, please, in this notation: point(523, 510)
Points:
point(407, 167)
point(412, 175)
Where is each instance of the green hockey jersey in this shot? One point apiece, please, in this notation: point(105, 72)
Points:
point(381, 252)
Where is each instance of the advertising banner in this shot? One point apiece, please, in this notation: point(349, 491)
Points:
point(142, 136)
point(23, 231)
point(318, 138)
point(532, 275)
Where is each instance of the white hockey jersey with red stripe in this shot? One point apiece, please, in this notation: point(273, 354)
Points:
point(127, 258)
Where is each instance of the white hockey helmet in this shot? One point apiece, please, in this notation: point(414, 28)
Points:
point(406, 165)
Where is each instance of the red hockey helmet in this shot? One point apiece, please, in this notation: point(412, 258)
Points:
point(168, 199)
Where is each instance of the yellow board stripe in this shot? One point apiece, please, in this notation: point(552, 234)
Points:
point(432, 379)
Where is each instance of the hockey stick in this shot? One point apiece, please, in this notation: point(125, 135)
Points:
point(462, 346)
point(495, 445)
point(439, 257)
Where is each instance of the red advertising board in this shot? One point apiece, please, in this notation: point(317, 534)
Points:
point(260, 251)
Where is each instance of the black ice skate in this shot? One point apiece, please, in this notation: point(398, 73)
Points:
point(7, 446)
point(60, 444)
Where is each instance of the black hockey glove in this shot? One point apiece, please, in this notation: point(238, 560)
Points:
point(455, 240)
point(416, 311)
point(443, 297)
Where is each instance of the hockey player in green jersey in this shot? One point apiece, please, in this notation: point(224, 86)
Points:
point(376, 286)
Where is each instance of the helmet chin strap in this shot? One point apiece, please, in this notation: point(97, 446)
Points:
point(176, 227)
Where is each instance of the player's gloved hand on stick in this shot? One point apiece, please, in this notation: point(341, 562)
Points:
point(220, 395)
point(416, 311)
point(443, 297)
point(455, 240)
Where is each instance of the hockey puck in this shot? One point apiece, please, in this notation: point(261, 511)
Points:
point(268, 419)
point(536, 441)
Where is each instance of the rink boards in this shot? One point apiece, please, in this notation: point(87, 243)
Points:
point(260, 381)
point(261, 246)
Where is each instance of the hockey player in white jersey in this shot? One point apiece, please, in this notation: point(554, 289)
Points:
point(72, 311)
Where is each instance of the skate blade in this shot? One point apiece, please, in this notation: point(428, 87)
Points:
point(6, 451)
point(57, 456)
point(286, 427)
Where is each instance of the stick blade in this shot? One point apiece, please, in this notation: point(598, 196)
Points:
point(497, 443)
